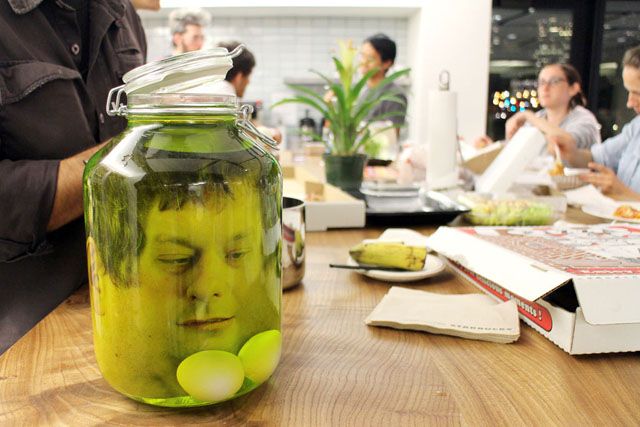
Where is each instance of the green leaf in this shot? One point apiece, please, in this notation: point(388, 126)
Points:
point(302, 100)
point(372, 134)
point(345, 77)
point(357, 88)
point(337, 89)
point(393, 76)
point(385, 116)
point(306, 90)
point(365, 108)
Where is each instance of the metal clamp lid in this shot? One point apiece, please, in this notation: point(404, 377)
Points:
point(245, 124)
point(116, 108)
point(177, 74)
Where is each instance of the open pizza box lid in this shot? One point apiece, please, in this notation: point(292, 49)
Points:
point(532, 262)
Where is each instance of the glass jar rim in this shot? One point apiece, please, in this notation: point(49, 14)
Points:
point(181, 103)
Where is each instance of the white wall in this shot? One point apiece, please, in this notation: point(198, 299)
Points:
point(451, 35)
point(285, 47)
point(287, 40)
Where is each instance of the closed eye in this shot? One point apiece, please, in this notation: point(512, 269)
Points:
point(234, 257)
point(177, 264)
point(176, 259)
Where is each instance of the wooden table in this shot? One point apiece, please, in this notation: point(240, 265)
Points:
point(335, 370)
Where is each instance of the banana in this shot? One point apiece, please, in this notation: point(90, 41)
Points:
point(390, 254)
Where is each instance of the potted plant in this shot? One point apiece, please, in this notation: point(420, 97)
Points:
point(347, 113)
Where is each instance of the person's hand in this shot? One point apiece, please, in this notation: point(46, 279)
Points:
point(482, 141)
point(606, 180)
point(146, 4)
point(514, 123)
point(273, 133)
point(328, 96)
point(566, 147)
point(276, 135)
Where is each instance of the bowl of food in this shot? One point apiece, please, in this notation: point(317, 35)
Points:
point(567, 178)
point(511, 212)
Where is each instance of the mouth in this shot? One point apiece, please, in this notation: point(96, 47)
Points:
point(211, 324)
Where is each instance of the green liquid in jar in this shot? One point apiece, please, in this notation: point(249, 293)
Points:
point(183, 241)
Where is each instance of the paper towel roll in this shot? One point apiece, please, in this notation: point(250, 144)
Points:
point(442, 140)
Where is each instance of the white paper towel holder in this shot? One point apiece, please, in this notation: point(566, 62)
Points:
point(442, 174)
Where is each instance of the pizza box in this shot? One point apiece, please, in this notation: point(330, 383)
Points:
point(577, 286)
point(326, 206)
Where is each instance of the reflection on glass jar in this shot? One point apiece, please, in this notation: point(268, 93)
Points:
point(183, 214)
point(293, 237)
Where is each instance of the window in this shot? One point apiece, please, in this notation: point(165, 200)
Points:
point(523, 40)
point(621, 30)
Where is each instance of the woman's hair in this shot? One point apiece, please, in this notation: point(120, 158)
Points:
point(572, 76)
point(385, 47)
point(632, 58)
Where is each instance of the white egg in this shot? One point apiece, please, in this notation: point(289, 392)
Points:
point(211, 375)
point(260, 355)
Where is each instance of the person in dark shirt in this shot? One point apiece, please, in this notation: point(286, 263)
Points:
point(55, 73)
point(379, 52)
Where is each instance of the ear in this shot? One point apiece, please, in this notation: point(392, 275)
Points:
point(386, 65)
point(176, 38)
point(574, 89)
point(236, 78)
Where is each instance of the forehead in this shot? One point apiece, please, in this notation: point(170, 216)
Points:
point(551, 71)
point(192, 29)
point(235, 210)
point(631, 78)
point(198, 226)
point(368, 50)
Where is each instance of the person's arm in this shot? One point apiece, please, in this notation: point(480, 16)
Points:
point(67, 203)
point(611, 151)
point(513, 124)
point(572, 155)
point(607, 181)
point(550, 130)
point(482, 141)
point(37, 196)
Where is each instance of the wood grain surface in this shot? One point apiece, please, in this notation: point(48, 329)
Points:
point(335, 370)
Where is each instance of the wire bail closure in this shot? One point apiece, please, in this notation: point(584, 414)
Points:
point(244, 123)
point(116, 108)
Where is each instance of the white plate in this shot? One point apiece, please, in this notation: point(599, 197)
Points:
point(606, 211)
point(432, 266)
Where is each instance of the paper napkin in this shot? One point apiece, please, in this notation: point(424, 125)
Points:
point(472, 316)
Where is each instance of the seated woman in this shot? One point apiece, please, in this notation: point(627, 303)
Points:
point(563, 115)
point(615, 164)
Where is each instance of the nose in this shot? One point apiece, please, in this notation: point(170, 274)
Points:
point(209, 282)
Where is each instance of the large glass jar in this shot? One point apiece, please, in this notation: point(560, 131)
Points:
point(183, 217)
